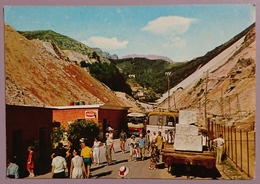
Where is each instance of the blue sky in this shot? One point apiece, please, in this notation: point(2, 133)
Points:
point(180, 32)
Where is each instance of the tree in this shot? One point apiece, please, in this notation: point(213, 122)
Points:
point(57, 134)
point(83, 129)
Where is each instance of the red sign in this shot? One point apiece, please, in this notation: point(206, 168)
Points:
point(90, 114)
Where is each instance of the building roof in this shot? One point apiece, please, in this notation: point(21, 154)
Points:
point(96, 106)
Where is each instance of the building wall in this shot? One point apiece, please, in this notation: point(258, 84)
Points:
point(66, 116)
point(116, 119)
point(29, 126)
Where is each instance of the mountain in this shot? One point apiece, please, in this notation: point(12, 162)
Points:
point(94, 60)
point(224, 88)
point(149, 73)
point(106, 54)
point(67, 44)
point(41, 73)
point(36, 75)
point(149, 56)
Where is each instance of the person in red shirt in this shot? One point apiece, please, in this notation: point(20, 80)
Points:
point(30, 162)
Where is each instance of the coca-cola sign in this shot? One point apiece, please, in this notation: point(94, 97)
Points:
point(90, 114)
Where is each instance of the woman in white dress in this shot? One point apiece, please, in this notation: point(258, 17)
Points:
point(77, 168)
point(96, 151)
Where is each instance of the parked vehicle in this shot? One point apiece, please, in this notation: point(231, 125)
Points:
point(136, 123)
point(160, 120)
point(186, 153)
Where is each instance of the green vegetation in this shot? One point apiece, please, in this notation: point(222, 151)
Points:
point(103, 70)
point(150, 74)
point(57, 135)
point(82, 128)
point(109, 75)
point(63, 42)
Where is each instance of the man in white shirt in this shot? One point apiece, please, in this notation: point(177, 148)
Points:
point(109, 144)
point(204, 140)
point(12, 169)
point(171, 138)
point(220, 146)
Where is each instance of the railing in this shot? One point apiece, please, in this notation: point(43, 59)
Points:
point(239, 146)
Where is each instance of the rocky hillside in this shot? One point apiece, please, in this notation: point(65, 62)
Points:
point(227, 84)
point(37, 75)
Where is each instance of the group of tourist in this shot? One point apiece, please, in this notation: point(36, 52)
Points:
point(75, 161)
point(150, 144)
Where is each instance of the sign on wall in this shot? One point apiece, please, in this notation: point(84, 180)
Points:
point(91, 114)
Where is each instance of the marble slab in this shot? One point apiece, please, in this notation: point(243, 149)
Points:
point(186, 129)
point(187, 143)
point(187, 117)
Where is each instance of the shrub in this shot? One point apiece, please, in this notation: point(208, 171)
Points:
point(57, 134)
point(83, 129)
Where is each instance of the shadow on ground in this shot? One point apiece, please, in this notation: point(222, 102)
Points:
point(194, 171)
point(101, 174)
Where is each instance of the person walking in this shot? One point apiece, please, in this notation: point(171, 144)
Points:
point(122, 139)
point(108, 146)
point(166, 136)
point(87, 155)
point(30, 162)
point(205, 141)
point(142, 142)
point(131, 148)
point(220, 144)
point(171, 138)
point(96, 151)
point(153, 138)
point(12, 170)
point(148, 138)
point(159, 142)
point(59, 165)
point(77, 167)
point(61, 149)
point(154, 157)
point(111, 135)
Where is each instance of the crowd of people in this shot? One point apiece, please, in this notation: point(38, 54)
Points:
point(74, 161)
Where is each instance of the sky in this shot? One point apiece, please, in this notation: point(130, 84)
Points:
point(179, 32)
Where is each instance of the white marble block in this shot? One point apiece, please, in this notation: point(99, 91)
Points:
point(184, 142)
point(186, 129)
point(187, 117)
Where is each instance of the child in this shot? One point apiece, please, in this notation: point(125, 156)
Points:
point(30, 162)
point(131, 147)
point(136, 152)
point(154, 157)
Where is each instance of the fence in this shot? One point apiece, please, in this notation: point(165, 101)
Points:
point(239, 146)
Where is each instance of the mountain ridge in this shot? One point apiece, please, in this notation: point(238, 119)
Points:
point(149, 56)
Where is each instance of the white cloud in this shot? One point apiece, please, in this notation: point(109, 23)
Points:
point(169, 25)
point(174, 42)
point(106, 43)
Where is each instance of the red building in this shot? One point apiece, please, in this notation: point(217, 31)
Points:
point(102, 114)
point(26, 126)
point(29, 126)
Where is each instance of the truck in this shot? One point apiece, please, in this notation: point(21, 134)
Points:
point(136, 123)
point(186, 156)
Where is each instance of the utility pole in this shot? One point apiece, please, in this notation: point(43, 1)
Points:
point(175, 107)
point(168, 74)
point(205, 105)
